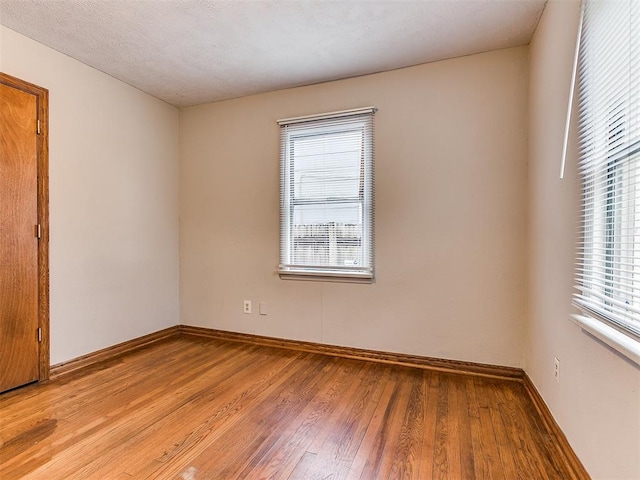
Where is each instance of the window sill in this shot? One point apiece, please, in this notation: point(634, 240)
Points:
point(622, 343)
point(326, 276)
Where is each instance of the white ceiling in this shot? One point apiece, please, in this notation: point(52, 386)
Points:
point(188, 52)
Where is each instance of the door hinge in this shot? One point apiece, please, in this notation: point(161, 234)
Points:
point(38, 231)
point(39, 334)
point(38, 127)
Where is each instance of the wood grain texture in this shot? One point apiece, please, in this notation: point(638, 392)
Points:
point(18, 243)
point(452, 366)
point(94, 358)
point(41, 96)
point(195, 407)
point(557, 440)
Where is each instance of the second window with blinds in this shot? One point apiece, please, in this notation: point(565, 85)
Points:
point(327, 197)
point(608, 265)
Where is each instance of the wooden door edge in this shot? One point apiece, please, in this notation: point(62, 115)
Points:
point(42, 99)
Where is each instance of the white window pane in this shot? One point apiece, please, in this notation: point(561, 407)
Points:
point(332, 245)
point(350, 213)
point(327, 166)
point(608, 269)
point(327, 204)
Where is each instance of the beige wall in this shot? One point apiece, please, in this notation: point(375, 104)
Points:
point(597, 402)
point(450, 213)
point(113, 200)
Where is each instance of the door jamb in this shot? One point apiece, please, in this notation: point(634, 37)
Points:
point(42, 101)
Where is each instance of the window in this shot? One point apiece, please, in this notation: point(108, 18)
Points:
point(327, 197)
point(608, 272)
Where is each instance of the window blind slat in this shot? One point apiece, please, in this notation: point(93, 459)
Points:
point(608, 252)
point(327, 195)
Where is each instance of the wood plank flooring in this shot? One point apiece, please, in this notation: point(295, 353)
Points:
point(195, 408)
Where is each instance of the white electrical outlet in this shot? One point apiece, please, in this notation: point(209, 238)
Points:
point(556, 369)
point(247, 306)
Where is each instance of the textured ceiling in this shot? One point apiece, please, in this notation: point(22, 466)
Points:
point(188, 52)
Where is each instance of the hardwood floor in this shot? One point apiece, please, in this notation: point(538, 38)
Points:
point(195, 408)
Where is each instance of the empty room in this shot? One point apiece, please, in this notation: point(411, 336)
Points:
point(341, 239)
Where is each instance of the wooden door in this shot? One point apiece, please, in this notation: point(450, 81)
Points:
point(20, 229)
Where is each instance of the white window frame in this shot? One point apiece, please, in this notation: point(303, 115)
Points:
point(608, 263)
point(292, 129)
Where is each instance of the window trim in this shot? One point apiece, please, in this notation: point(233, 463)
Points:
point(609, 162)
point(620, 341)
point(365, 198)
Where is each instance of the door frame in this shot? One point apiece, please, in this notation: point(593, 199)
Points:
point(42, 148)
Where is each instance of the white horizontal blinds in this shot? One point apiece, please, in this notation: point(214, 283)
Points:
point(608, 266)
point(327, 194)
